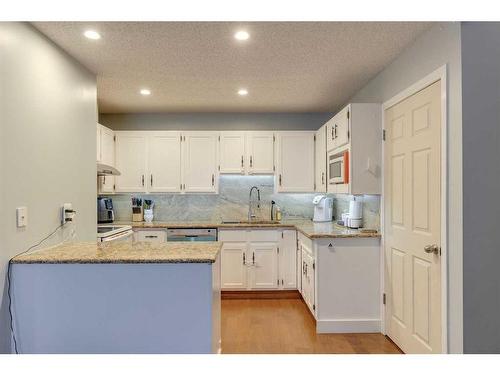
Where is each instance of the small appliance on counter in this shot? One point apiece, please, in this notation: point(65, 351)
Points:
point(355, 217)
point(105, 213)
point(323, 208)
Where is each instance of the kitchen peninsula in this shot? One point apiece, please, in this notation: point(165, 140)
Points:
point(118, 298)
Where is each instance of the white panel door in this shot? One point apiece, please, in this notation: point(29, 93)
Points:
point(107, 157)
point(320, 160)
point(295, 162)
point(164, 162)
point(234, 265)
point(130, 153)
point(232, 152)
point(260, 152)
point(263, 260)
point(288, 260)
point(200, 162)
point(413, 221)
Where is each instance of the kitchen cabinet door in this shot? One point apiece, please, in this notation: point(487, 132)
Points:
point(308, 280)
point(320, 160)
point(164, 162)
point(155, 236)
point(107, 183)
point(338, 129)
point(98, 142)
point(260, 152)
point(130, 153)
point(264, 264)
point(200, 162)
point(234, 265)
point(288, 259)
point(295, 162)
point(232, 152)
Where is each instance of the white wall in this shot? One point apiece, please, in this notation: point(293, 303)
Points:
point(215, 121)
point(436, 47)
point(48, 111)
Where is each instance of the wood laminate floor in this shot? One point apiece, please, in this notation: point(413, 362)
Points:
point(286, 326)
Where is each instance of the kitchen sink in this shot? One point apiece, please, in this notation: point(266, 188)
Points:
point(251, 222)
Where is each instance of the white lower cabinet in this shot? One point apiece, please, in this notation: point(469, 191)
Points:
point(308, 274)
point(258, 259)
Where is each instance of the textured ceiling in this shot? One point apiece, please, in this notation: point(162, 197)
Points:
point(199, 66)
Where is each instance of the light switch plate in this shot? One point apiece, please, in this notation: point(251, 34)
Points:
point(22, 216)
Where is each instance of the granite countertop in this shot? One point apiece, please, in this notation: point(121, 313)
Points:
point(307, 227)
point(124, 252)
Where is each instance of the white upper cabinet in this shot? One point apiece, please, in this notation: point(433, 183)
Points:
point(295, 162)
point(338, 129)
point(359, 133)
point(164, 162)
point(320, 160)
point(98, 142)
point(260, 152)
point(232, 152)
point(130, 152)
point(107, 146)
point(200, 162)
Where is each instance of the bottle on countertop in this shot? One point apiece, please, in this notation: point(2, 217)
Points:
point(278, 213)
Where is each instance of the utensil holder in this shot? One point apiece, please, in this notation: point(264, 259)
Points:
point(137, 214)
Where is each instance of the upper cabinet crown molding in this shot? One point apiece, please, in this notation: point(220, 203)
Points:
point(357, 129)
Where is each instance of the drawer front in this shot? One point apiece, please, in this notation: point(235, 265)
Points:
point(226, 235)
point(263, 236)
point(150, 235)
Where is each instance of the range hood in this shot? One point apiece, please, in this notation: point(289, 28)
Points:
point(107, 170)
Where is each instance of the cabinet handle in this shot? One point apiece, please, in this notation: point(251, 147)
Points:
point(251, 162)
point(280, 179)
point(322, 178)
point(244, 260)
point(180, 187)
point(151, 179)
point(332, 133)
point(151, 236)
point(142, 180)
point(303, 268)
point(104, 180)
point(213, 180)
point(253, 257)
point(335, 131)
point(241, 161)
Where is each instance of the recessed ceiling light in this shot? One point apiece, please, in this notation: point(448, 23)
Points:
point(91, 34)
point(145, 92)
point(242, 35)
point(242, 92)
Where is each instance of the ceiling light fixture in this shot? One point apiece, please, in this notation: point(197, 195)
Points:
point(91, 34)
point(242, 35)
point(242, 92)
point(145, 92)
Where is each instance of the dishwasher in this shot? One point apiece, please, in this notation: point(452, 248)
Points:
point(191, 235)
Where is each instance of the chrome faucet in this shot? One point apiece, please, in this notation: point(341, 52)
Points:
point(251, 215)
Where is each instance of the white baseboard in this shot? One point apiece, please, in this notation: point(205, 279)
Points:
point(348, 326)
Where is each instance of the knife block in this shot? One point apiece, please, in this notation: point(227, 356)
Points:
point(137, 214)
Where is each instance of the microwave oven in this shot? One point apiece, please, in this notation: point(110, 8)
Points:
point(338, 168)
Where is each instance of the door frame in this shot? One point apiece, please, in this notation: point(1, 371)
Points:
point(439, 74)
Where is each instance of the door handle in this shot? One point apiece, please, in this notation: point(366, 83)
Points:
point(432, 249)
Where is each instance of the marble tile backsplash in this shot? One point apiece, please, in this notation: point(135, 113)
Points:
point(232, 203)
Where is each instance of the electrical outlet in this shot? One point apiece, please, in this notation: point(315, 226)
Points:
point(22, 216)
point(67, 213)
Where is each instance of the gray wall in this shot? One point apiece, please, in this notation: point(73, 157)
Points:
point(48, 112)
point(436, 47)
point(215, 121)
point(481, 168)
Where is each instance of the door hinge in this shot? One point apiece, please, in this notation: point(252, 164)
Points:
point(278, 249)
point(383, 298)
point(274, 138)
point(114, 138)
point(383, 134)
point(314, 265)
point(348, 114)
point(315, 138)
point(219, 138)
point(282, 235)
